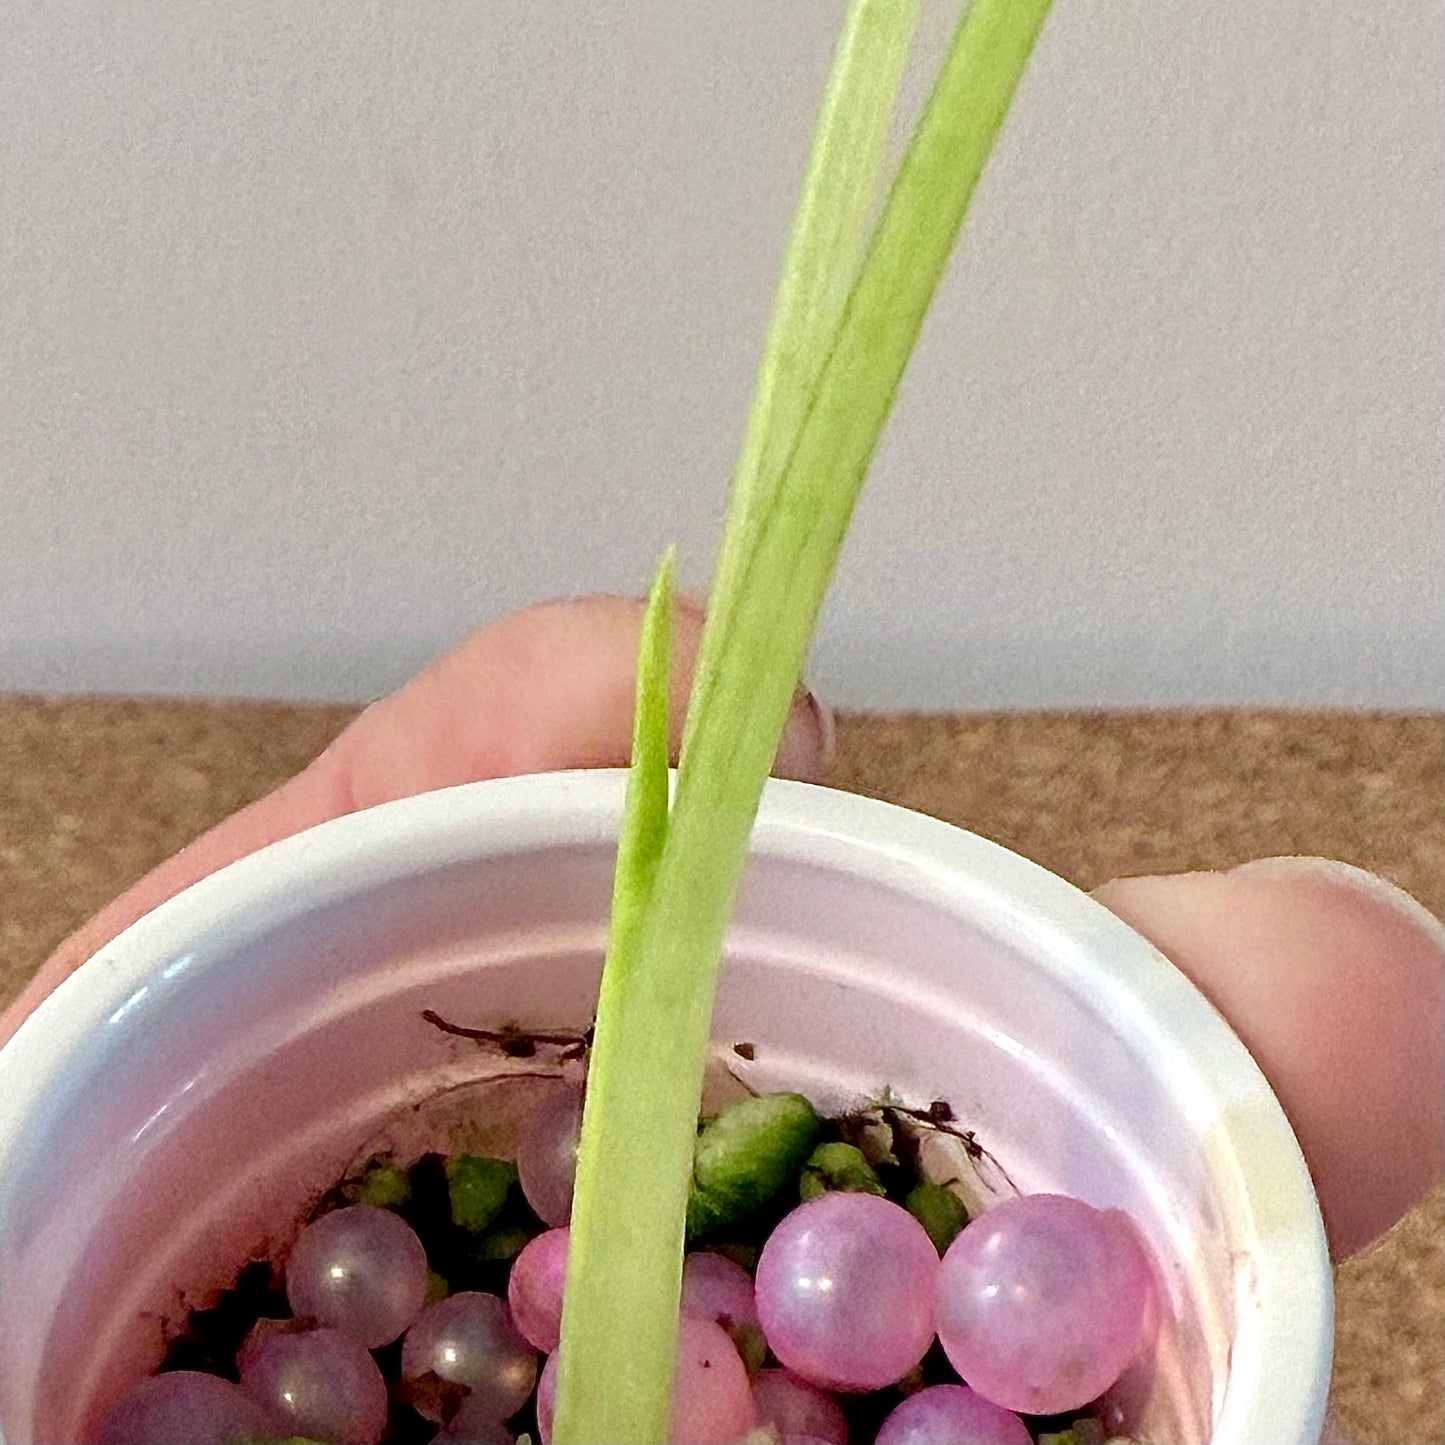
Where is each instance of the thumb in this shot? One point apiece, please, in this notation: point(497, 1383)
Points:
point(542, 690)
point(1335, 981)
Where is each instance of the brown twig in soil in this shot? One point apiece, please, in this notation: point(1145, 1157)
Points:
point(515, 1042)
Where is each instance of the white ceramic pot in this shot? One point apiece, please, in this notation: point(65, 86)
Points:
point(184, 1095)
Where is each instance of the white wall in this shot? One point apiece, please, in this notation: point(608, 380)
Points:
point(329, 329)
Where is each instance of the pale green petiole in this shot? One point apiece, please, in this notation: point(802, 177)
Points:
point(619, 1330)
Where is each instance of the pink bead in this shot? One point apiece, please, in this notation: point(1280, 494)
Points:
point(321, 1383)
point(714, 1288)
point(185, 1407)
point(469, 1339)
point(547, 1399)
point(535, 1287)
point(953, 1414)
point(846, 1290)
point(712, 1403)
point(547, 1156)
point(1042, 1302)
point(798, 1410)
point(360, 1270)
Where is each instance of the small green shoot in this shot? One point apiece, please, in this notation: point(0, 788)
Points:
point(818, 415)
point(940, 1211)
point(614, 1211)
point(836, 1168)
point(384, 1186)
point(477, 1189)
point(744, 1157)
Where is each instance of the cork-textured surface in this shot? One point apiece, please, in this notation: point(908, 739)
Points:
point(93, 793)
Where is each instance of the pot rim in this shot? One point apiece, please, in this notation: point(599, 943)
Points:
point(1279, 1363)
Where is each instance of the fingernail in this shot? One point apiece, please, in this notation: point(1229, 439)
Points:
point(806, 751)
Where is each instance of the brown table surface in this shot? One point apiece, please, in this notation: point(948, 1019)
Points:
point(92, 793)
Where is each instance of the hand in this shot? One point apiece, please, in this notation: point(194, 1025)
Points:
point(1334, 979)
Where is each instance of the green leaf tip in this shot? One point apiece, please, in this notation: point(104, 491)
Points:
point(601, 1378)
point(644, 819)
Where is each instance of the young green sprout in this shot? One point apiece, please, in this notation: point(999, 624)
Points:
point(836, 1167)
point(840, 340)
point(744, 1156)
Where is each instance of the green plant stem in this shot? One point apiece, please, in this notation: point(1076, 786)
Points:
point(619, 1333)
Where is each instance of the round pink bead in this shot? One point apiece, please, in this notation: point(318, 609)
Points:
point(547, 1156)
point(321, 1383)
point(469, 1339)
point(798, 1410)
point(714, 1288)
point(1042, 1302)
point(360, 1270)
point(712, 1403)
point(547, 1399)
point(535, 1287)
point(952, 1415)
point(185, 1407)
point(846, 1289)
